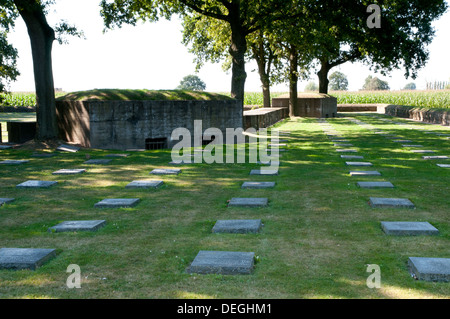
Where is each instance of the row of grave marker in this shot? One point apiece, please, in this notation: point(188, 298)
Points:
point(422, 268)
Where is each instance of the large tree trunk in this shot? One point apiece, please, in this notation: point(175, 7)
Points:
point(293, 79)
point(41, 38)
point(323, 76)
point(238, 48)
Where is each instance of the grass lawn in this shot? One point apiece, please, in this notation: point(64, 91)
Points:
point(319, 232)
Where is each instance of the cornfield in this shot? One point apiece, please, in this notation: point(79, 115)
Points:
point(19, 99)
point(426, 99)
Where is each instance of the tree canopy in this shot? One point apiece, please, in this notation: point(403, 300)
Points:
point(192, 83)
point(338, 81)
point(375, 84)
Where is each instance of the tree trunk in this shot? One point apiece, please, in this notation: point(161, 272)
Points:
point(41, 38)
point(293, 79)
point(264, 76)
point(323, 76)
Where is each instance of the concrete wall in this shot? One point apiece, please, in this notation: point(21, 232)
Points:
point(425, 115)
point(264, 117)
point(310, 105)
point(127, 124)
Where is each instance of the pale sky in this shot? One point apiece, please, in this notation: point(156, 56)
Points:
point(151, 56)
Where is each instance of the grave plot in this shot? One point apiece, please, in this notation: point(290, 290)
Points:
point(14, 162)
point(408, 228)
point(358, 164)
point(6, 201)
point(117, 203)
point(68, 148)
point(340, 150)
point(375, 184)
point(69, 171)
point(430, 269)
point(5, 147)
point(364, 173)
point(161, 171)
point(342, 145)
point(352, 156)
point(98, 161)
point(248, 202)
point(77, 225)
point(24, 258)
point(145, 184)
point(117, 155)
point(435, 157)
point(264, 171)
point(43, 155)
point(222, 262)
point(422, 151)
point(390, 202)
point(258, 185)
point(238, 226)
point(36, 184)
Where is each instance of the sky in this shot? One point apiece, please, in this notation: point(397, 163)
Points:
point(151, 56)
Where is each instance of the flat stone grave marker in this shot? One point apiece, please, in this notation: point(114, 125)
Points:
point(43, 155)
point(13, 162)
point(430, 269)
point(163, 171)
point(277, 145)
point(69, 171)
point(346, 150)
point(6, 201)
point(24, 258)
point(375, 184)
point(435, 157)
point(248, 202)
point(422, 151)
point(68, 148)
point(278, 149)
point(264, 171)
point(402, 141)
point(358, 163)
point(98, 161)
point(258, 185)
point(222, 262)
point(444, 165)
point(144, 184)
point(390, 202)
point(5, 147)
point(77, 225)
point(352, 156)
point(117, 202)
point(36, 184)
point(412, 145)
point(340, 140)
point(365, 173)
point(342, 144)
point(117, 155)
point(239, 226)
point(408, 228)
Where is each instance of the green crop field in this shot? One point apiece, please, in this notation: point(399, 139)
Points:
point(439, 99)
